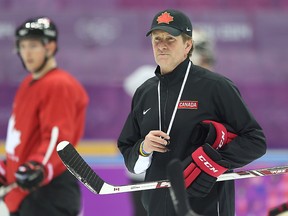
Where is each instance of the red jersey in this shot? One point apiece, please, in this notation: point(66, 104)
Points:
point(57, 99)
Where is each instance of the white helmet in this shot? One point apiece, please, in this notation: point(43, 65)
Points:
point(203, 52)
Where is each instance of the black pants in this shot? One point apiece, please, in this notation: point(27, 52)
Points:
point(62, 197)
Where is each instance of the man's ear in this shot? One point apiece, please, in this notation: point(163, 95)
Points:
point(51, 47)
point(189, 44)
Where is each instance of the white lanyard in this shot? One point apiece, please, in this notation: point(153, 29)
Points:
point(177, 102)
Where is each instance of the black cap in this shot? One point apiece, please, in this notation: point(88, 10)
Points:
point(172, 21)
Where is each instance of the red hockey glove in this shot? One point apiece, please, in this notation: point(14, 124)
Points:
point(202, 170)
point(212, 132)
point(30, 175)
point(278, 210)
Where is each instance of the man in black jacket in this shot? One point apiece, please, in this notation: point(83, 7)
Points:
point(189, 113)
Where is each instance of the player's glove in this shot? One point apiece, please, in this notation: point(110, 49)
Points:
point(212, 132)
point(202, 170)
point(30, 175)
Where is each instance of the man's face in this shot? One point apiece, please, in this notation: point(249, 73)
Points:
point(32, 52)
point(169, 51)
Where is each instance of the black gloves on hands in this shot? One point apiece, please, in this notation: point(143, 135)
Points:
point(202, 170)
point(30, 175)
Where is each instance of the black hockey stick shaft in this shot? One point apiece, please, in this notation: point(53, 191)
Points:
point(84, 173)
point(177, 190)
point(279, 209)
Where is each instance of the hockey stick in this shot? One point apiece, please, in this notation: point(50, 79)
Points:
point(53, 141)
point(279, 209)
point(84, 173)
point(177, 189)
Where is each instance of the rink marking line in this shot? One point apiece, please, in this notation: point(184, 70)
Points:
point(106, 151)
point(88, 148)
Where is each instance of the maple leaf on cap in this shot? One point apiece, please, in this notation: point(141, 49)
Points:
point(165, 18)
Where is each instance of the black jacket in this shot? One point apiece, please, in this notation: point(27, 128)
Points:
point(214, 97)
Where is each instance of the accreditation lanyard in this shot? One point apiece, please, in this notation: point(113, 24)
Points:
point(177, 102)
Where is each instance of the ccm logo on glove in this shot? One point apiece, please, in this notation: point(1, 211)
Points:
point(206, 164)
point(212, 132)
point(222, 141)
point(217, 134)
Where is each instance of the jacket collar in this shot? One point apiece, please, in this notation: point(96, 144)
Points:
point(175, 76)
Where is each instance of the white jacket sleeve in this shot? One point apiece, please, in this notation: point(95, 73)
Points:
point(142, 164)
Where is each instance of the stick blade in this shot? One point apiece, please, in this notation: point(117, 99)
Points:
point(78, 167)
point(177, 189)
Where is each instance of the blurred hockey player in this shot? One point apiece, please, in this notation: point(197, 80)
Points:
point(203, 53)
point(49, 106)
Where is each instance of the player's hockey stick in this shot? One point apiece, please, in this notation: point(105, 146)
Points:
point(177, 189)
point(279, 209)
point(53, 141)
point(84, 173)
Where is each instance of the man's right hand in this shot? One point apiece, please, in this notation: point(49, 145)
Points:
point(156, 140)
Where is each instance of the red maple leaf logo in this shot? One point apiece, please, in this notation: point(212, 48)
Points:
point(165, 18)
